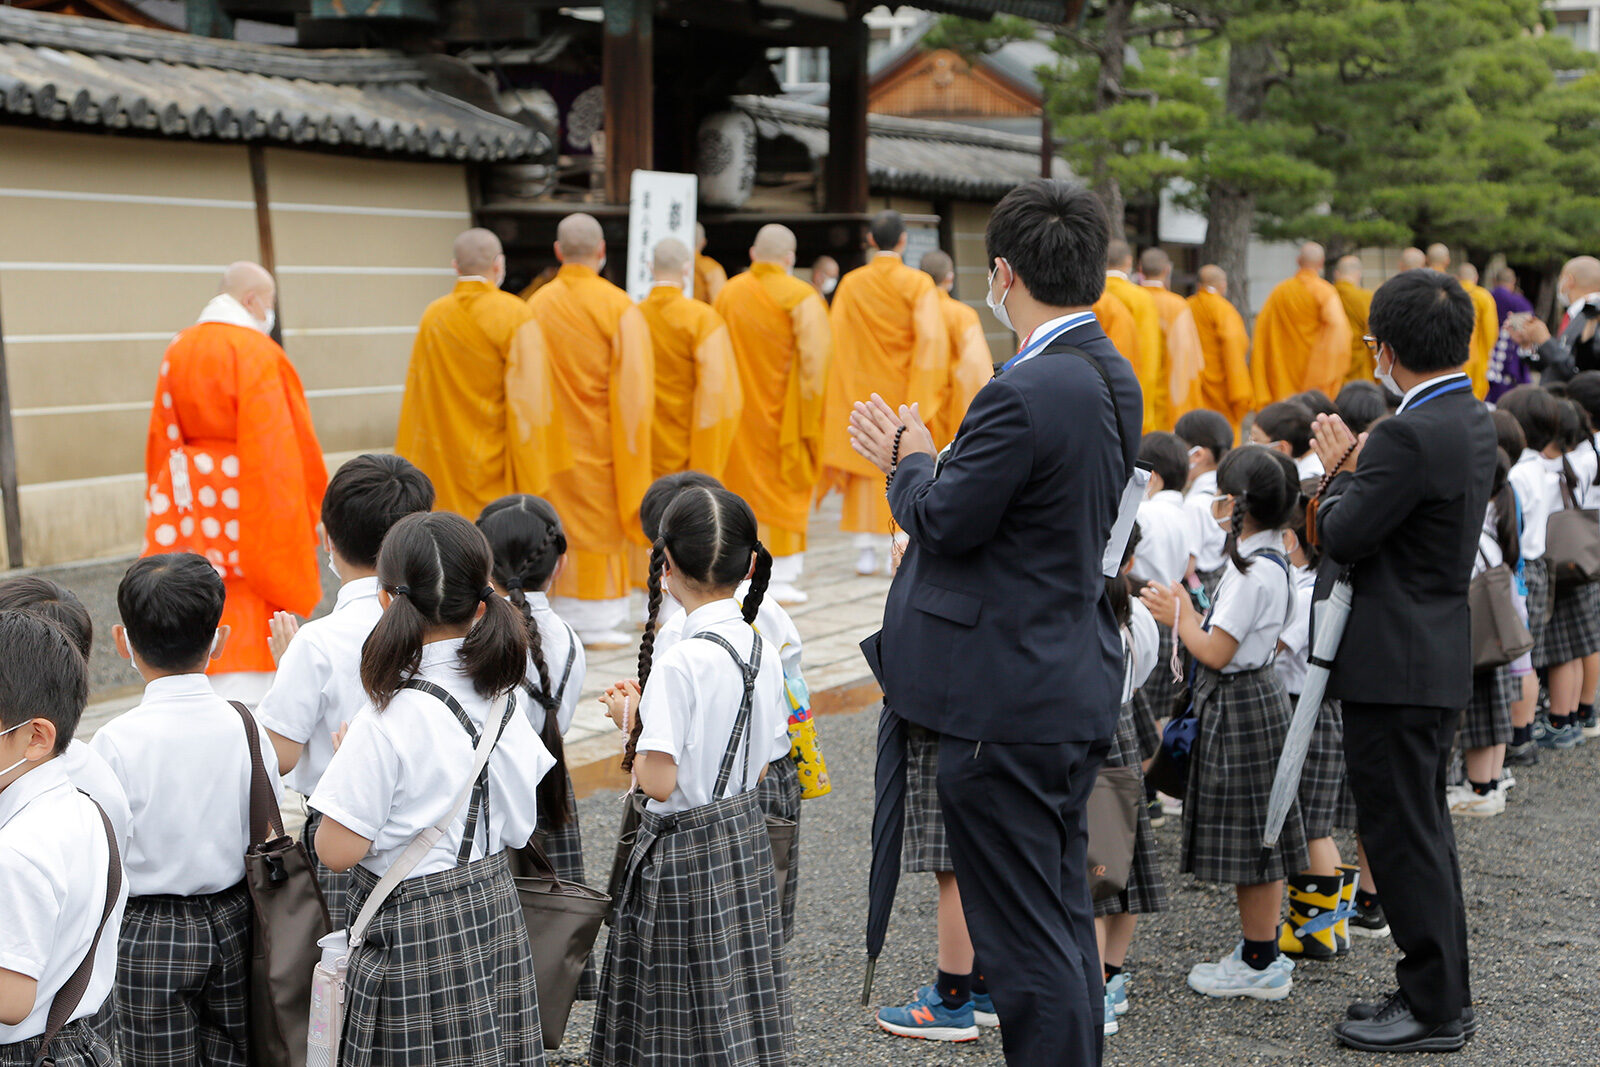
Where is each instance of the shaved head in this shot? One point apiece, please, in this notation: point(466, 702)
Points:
point(1312, 256)
point(244, 279)
point(1214, 277)
point(1438, 256)
point(1119, 256)
point(1467, 273)
point(579, 239)
point(1412, 259)
point(825, 267)
point(1582, 276)
point(475, 252)
point(1154, 263)
point(774, 244)
point(1348, 269)
point(699, 238)
point(1504, 277)
point(670, 259)
point(939, 266)
point(888, 231)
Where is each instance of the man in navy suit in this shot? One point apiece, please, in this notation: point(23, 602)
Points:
point(997, 634)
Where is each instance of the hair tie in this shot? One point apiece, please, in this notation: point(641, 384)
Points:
point(513, 583)
point(757, 546)
point(487, 594)
point(401, 590)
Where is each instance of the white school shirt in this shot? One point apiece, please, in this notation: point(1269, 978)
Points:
point(399, 771)
point(557, 640)
point(318, 686)
point(1141, 644)
point(1167, 538)
point(1489, 553)
point(92, 774)
point(1585, 460)
point(184, 763)
point(1540, 494)
point(1309, 466)
point(53, 866)
point(1209, 555)
point(1295, 655)
point(692, 699)
point(1254, 606)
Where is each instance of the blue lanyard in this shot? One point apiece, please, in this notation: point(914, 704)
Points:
point(1033, 348)
point(1457, 386)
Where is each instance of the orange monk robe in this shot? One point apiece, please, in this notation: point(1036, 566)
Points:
point(1150, 364)
point(889, 338)
point(973, 365)
point(697, 384)
point(1302, 340)
point(1117, 322)
point(604, 373)
point(234, 472)
point(478, 416)
point(783, 344)
point(1181, 355)
point(1485, 332)
point(1357, 304)
point(709, 278)
point(1224, 384)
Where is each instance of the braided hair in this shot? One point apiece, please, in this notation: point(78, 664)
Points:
point(1264, 485)
point(709, 536)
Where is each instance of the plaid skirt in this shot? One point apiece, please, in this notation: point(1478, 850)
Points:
point(926, 847)
point(335, 885)
point(78, 1044)
point(778, 795)
point(694, 971)
point(183, 980)
point(1156, 696)
point(1487, 718)
point(564, 849)
point(445, 976)
point(1325, 800)
point(1574, 627)
point(1244, 719)
point(1536, 577)
point(1146, 892)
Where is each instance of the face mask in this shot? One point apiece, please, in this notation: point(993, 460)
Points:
point(1386, 377)
point(269, 322)
point(19, 762)
point(828, 285)
point(999, 309)
point(1562, 299)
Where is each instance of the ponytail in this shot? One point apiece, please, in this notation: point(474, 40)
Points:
point(647, 644)
point(759, 580)
point(495, 653)
point(393, 650)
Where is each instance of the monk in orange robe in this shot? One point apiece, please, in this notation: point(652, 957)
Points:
point(603, 367)
point(1224, 384)
point(1302, 337)
point(1180, 339)
point(889, 338)
point(1149, 361)
point(1117, 322)
point(783, 344)
point(1357, 304)
point(973, 363)
point(1485, 332)
point(234, 473)
point(478, 415)
point(709, 277)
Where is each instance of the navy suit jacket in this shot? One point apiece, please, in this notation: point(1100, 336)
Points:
point(997, 626)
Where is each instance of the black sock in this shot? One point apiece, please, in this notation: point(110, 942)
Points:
point(954, 989)
point(1560, 721)
point(1521, 735)
point(1366, 901)
point(1260, 954)
point(1483, 789)
point(1585, 712)
point(1112, 970)
point(979, 986)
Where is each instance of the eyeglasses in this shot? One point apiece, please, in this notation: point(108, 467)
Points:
point(1372, 343)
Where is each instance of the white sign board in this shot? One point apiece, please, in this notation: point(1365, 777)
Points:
point(661, 205)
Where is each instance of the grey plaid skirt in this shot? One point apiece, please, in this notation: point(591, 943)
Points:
point(445, 976)
point(1147, 890)
point(1574, 627)
point(1244, 718)
point(183, 980)
point(778, 795)
point(926, 847)
point(1487, 718)
point(694, 972)
point(77, 1045)
point(335, 885)
point(1154, 699)
point(1539, 601)
point(564, 849)
point(1325, 800)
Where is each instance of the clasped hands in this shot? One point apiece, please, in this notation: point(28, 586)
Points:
point(622, 702)
point(873, 425)
point(1331, 439)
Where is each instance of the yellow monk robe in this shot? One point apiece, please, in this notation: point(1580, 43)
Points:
point(234, 472)
point(1117, 323)
point(709, 278)
point(1149, 363)
point(973, 366)
point(697, 384)
point(604, 373)
point(1357, 304)
point(1302, 340)
point(1181, 355)
point(889, 338)
point(478, 416)
point(1485, 332)
point(783, 345)
point(1224, 385)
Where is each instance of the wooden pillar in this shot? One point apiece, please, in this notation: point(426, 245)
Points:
point(8, 466)
point(627, 73)
point(845, 176)
point(268, 254)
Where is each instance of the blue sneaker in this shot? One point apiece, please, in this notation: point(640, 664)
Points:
point(983, 1012)
point(1117, 990)
point(1232, 977)
point(1112, 1026)
point(927, 1018)
point(1549, 736)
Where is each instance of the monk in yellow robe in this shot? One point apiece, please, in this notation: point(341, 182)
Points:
point(1485, 332)
point(1117, 322)
point(234, 472)
point(604, 372)
point(973, 363)
point(783, 344)
point(1224, 384)
point(709, 277)
point(1412, 259)
point(889, 338)
point(1148, 362)
point(478, 414)
point(1302, 337)
point(1180, 340)
point(1357, 303)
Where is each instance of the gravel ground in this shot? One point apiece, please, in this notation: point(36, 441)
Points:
point(1532, 886)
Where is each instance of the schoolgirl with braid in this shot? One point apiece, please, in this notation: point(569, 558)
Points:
point(694, 971)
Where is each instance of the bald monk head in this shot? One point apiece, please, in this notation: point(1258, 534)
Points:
point(1155, 265)
point(888, 231)
point(940, 267)
point(699, 238)
point(1504, 278)
point(1119, 256)
point(478, 254)
point(774, 244)
point(1438, 256)
point(1412, 259)
point(251, 285)
point(1467, 273)
point(670, 262)
point(1312, 257)
point(825, 274)
point(1214, 277)
point(1579, 278)
point(1348, 269)
point(580, 240)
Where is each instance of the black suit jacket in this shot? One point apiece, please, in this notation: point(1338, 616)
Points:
point(997, 626)
point(1408, 521)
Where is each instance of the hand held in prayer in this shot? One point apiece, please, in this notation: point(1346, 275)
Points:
point(872, 428)
point(1529, 331)
point(619, 699)
point(918, 438)
point(280, 631)
point(1163, 601)
point(1335, 445)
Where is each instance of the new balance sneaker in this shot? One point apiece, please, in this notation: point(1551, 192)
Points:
point(1117, 990)
point(1111, 1024)
point(1523, 755)
point(927, 1018)
point(983, 1012)
point(1231, 976)
point(1369, 921)
point(1469, 802)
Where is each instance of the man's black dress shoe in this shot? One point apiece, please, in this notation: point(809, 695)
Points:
point(1361, 1011)
point(1395, 1029)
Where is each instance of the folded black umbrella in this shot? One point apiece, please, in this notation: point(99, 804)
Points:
point(888, 821)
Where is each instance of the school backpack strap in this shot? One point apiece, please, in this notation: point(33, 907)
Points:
point(70, 995)
point(741, 724)
point(1283, 562)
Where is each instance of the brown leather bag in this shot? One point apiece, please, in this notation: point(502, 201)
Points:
point(1572, 540)
point(1498, 633)
point(563, 920)
point(290, 915)
point(1113, 827)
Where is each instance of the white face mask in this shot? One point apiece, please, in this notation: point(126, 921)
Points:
point(266, 325)
point(999, 309)
point(21, 761)
point(1386, 377)
point(828, 285)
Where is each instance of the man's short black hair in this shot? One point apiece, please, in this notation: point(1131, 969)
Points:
point(1054, 235)
point(170, 606)
point(365, 497)
point(42, 676)
point(1426, 318)
point(887, 229)
point(1536, 411)
point(1167, 456)
point(1204, 428)
point(1290, 421)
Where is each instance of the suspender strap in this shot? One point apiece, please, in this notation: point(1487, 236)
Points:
point(741, 724)
point(480, 791)
point(70, 995)
point(560, 695)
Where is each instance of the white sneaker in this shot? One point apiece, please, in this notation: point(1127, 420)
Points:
point(1490, 803)
point(1231, 976)
point(867, 562)
point(603, 640)
point(1457, 794)
point(786, 593)
point(1507, 780)
point(1170, 805)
